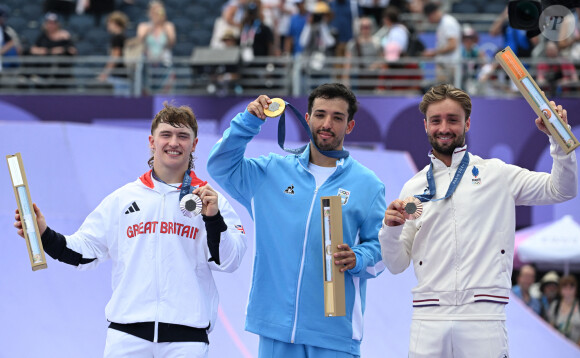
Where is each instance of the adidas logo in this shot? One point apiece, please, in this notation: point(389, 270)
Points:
point(133, 208)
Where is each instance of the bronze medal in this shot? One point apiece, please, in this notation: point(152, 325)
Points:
point(413, 208)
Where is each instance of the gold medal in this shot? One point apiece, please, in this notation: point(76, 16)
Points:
point(190, 205)
point(275, 108)
point(413, 208)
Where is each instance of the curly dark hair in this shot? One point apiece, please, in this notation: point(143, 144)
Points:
point(177, 117)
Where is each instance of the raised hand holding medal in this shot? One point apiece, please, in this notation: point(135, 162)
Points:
point(275, 108)
point(264, 107)
point(190, 205)
point(413, 208)
point(191, 201)
point(208, 198)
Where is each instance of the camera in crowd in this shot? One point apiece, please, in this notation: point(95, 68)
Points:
point(525, 14)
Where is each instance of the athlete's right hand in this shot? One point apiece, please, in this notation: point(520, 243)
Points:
point(394, 213)
point(257, 106)
point(40, 220)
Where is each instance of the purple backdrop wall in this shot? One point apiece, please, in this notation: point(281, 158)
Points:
point(501, 128)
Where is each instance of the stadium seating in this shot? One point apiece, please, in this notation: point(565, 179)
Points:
point(193, 21)
point(494, 7)
point(465, 8)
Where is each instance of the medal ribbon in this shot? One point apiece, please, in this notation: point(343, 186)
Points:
point(185, 185)
point(454, 183)
point(338, 154)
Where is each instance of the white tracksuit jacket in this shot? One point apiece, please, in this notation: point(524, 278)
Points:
point(462, 247)
point(160, 256)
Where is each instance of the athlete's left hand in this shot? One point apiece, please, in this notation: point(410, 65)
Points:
point(558, 109)
point(345, 257)
point(209, 199)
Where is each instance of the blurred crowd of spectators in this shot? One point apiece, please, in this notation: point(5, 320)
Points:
point(368, 34)
point(553, 298)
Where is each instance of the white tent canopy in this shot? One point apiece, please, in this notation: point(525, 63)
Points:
point(556, 245)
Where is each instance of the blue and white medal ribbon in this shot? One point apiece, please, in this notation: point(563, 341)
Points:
point(190, 204)
point(413, 205)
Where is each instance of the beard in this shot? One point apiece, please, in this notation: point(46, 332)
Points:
point(333, 143)
point(447, 149)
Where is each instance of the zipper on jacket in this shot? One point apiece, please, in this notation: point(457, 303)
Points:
point(156, 331)
point(451, 175)
point(302, 267)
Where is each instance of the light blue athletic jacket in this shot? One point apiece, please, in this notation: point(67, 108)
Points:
point(286, 300)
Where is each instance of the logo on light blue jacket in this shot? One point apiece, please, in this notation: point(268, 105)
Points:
point(344, 195)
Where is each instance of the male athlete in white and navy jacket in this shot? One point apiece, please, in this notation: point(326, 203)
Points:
point(164, 299)
point(462, 247)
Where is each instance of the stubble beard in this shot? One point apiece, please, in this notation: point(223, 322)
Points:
point(449, 148)
point(333, 144)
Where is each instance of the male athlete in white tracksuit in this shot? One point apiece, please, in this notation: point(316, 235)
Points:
point(462, 247)
point(164, 299)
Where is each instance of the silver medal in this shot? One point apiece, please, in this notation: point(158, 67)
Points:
point(190, 205)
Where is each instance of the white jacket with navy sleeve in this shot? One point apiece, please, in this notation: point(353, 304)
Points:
point(160, 270)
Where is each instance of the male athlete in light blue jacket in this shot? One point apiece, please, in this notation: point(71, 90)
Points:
point(286, 303)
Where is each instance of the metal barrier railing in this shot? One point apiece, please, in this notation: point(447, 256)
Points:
point(276, 76)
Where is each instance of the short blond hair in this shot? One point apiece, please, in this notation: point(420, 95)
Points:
point(443, 91)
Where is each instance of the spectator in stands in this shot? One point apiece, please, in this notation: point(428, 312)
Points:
point(53, 41)
point(556, 72)
point(158, 36)
point(114, 71)
point(256, 39)
point(62, 7)
point(492, 80)
point(277, 14)
point(569, 45)
point(316, 38)
point(297, 22)
point(363, 57)
point(373, 9)
point(447, 52)
point(229, 39)
point(472, 57)
point(526, 278)
point(225, 77)
point(344, 15)
point(396, 41)
point(9, 44)
point(234, 12)
point(230, 20)
point(564, 313)
point(515, 39)
point(548, 291)
point(393, 35)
